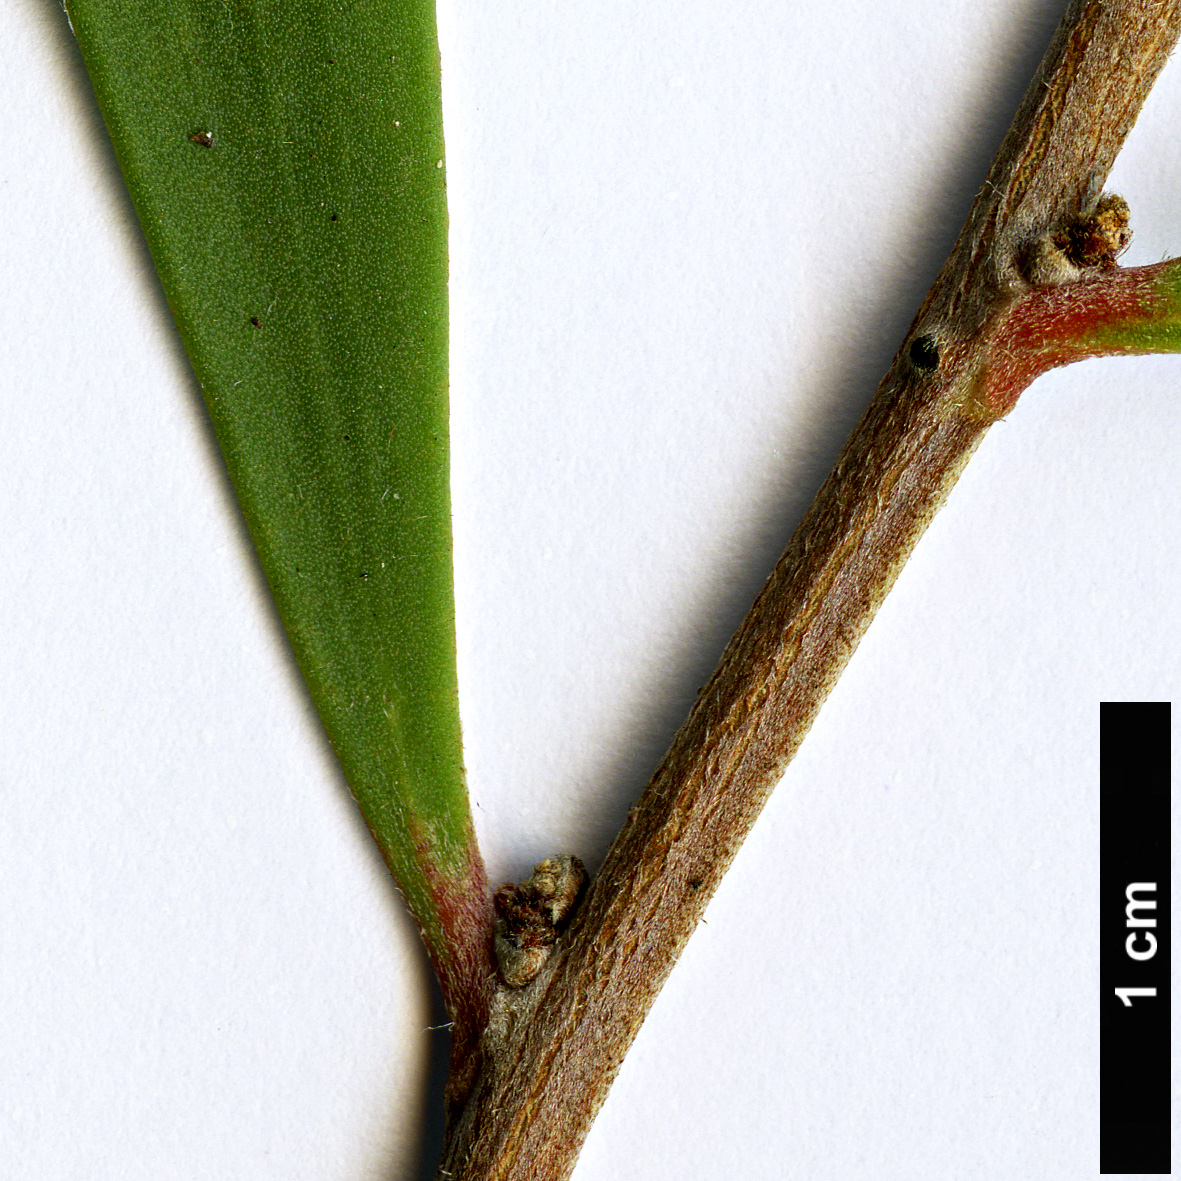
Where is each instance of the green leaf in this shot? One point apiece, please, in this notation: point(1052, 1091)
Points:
point(286, 162)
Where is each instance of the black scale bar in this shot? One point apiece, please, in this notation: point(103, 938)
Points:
point(1135, 945)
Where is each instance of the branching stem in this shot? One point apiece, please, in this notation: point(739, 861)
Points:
point(1018, 295)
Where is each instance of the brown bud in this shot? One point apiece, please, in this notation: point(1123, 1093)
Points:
point(529, 916)
point(1090, 241)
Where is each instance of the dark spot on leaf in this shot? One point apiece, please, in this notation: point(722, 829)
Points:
point(924, 352)
point(203, 139)
point(364, 573)
point(346, 438)
point(256, 321)
point(334, 217)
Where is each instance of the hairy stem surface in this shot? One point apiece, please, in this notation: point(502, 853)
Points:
point(1032, 253)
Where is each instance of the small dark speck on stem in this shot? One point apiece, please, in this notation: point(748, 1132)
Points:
point(924, 353)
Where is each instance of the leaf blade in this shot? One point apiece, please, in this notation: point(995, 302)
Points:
point(286, 165)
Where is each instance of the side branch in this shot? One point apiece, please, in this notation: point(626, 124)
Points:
point(998, 315)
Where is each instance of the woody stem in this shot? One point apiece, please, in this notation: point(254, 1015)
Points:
point(552, 1049)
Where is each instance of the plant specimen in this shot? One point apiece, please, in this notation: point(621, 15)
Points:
point(261, 315)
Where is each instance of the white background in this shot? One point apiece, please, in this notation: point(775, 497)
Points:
point(686, 240)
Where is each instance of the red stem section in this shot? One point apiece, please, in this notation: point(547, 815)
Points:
point(1110, 313)
point(462, 959)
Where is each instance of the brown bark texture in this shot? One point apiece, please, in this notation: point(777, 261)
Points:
point(552, 1048)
